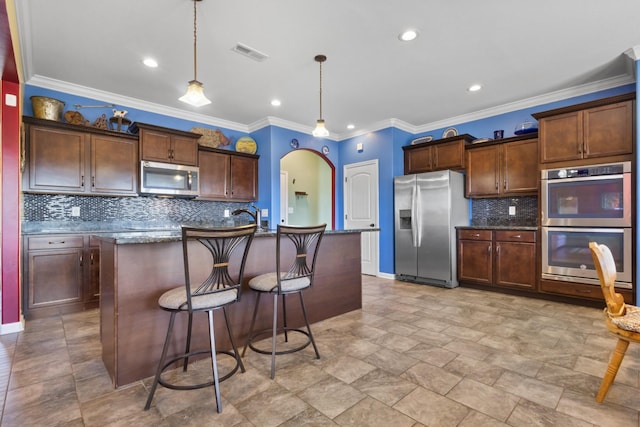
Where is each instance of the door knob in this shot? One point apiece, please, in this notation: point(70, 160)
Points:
point(372, 225)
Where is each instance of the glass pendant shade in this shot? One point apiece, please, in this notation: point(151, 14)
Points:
point(195, 95)
point(320, 131)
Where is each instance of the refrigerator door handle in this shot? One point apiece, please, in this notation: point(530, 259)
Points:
point(414, 217)
point(418, 223)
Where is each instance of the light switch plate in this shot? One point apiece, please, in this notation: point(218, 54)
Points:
point(512, 210)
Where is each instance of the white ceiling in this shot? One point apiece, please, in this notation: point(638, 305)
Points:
point(517, 50)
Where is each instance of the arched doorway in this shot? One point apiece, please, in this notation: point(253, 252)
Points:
point(309, 191)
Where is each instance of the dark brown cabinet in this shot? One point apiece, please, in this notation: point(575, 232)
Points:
point(508, 168)
point(591, 130)
point(499, 258)
point(62, 274)
point(159, 144)
point(443, 154)
point(228, 176)
point(68, 159)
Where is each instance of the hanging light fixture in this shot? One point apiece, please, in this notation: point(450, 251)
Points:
point(320, 130)
point(195, 90)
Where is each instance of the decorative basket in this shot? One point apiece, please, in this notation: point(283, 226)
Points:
point(47, 108)
point(211, 138)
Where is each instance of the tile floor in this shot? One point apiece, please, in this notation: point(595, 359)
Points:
point(413, 356)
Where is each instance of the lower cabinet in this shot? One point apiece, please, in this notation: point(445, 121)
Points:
point(61, 273)
point(500, 258)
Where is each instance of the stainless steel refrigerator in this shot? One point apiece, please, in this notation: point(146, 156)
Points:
point(428, 207)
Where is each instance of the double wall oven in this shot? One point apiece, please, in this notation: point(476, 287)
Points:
point(583, 204)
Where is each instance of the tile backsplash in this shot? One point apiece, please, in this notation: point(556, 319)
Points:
point(496, 211)
point(44, 207)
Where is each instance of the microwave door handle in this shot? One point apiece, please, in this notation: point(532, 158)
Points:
point(188, 180)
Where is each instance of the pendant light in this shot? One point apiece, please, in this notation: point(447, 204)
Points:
point(320, 130)
point(195, 90)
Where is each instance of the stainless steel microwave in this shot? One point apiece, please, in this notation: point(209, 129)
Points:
point(169, 179)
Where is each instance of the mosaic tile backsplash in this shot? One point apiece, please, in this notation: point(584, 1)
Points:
point(495, 212)
point(43, 207)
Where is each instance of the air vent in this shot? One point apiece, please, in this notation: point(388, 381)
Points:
point(250, 52)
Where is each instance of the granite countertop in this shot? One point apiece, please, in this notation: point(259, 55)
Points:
point(163, 236)
point(499, 227)
point(127, 232)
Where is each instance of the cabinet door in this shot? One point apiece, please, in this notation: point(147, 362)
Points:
point(214, 175)
point(56, 160)
point(244, 178)
point(55, 277)
point(483, 172)
point(114, 165)
point(561, 137)
point(608, 130)
point(154, 146)
point(448, 156)
point(515, 264)
point(520, 167)
point(184, 150)
point(474, 261)
point(418, 160)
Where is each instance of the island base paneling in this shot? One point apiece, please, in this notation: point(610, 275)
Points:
point(133, 276)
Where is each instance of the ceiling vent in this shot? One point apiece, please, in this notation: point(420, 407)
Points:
point(250, 52)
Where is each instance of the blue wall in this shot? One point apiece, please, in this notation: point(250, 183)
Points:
point(384, 145)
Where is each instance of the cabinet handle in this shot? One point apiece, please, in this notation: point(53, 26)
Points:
point(61, 242)
point(82, 181)
point(91, 258)
point(489, 248)
point(81, 260)
point(93, 181)
point(579, 148)
point(517, 236)
point(476, 235)
point(584, 291)
point(505, 184)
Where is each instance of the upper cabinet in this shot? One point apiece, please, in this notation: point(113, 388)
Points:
point(63, 158)
point(505, 168)
point(159, 144)
point(601, 128)
point(447, 153)
point(228, 176)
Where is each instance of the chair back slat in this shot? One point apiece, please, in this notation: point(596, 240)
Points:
point(297, 252)
point(606, 268)
point(226, 273)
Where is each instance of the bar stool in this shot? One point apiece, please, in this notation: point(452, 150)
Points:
point(296, 255)
point(221, 288)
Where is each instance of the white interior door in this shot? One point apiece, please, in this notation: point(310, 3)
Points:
point(284, 198)
point(361, 209)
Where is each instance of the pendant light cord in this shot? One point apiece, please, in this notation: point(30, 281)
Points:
point(195, 41)
point(321, 90)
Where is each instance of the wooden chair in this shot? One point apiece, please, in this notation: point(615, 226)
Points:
point(296, 254)
point(621, 319)
point(221, 288)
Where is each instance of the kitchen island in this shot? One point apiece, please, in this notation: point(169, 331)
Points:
point(137, 267)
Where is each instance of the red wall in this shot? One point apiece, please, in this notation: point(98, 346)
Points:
point(10, 139)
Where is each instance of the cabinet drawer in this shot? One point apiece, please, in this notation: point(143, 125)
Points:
point(516, 236)
point(581, 290)
point(54, 242)
point(475, 234)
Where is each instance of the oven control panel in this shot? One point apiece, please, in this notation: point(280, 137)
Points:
point(593, 170)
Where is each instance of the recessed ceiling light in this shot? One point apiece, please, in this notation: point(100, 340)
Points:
point(150, 62)
point(474, 88)
point(351, 126)
point(408, 35)
point(276, 102)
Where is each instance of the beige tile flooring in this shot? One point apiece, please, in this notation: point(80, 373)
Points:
point(414, 355)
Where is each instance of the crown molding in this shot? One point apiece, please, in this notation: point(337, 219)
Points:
point(114, 98)
point(529, 102)
point(109, 97)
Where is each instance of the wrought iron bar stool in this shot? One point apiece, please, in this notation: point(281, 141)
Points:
point(296, 255)
point(221, 247)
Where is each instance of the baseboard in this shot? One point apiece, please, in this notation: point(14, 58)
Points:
point(12, 328)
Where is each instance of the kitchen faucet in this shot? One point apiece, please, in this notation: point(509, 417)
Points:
point(254, 215)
